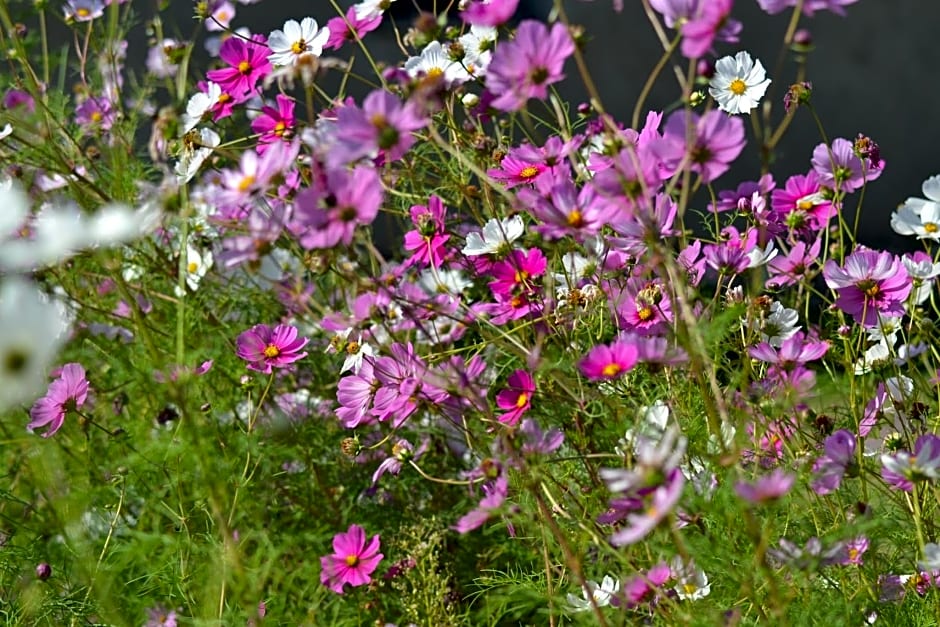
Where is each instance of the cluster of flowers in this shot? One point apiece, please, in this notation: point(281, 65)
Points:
point(580, 228)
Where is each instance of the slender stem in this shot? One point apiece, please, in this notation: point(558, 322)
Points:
point(651, 80)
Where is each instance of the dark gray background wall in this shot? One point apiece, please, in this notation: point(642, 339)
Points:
point(874, 72)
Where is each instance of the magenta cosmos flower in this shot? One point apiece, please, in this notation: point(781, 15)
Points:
point(352, 560)
point(352, 27)
point(427, 241)
point(604, 362)
point(274, 124)
point(247, 61)
point(489, 12)
point(67, 393)
point(524, 67)
point(265, 347)
point(517, 398)
point(870, 284)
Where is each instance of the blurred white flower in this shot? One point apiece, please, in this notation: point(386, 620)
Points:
point(602, 594)
point(32, 328)
point(59, 231)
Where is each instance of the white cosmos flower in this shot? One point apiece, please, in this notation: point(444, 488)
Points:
point(369, 9)
point(602, 594)
point(917, 217)
point(691, 581)
point(778, 325)
point(739, 83)
point(15, 207)
point(192, 158)
point(435, 61)
point(199, 105)
point(478, 46)
point(496, 234)
point(32, 328)
point(443, 281)
point(296, 41)
point(198, 263)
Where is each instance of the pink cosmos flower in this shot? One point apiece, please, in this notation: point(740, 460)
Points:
point(655, 506)
point(642, 306)
point(767, 488)
point(801, 205)
point(495, 493)
point(489, 12)
point(567, 211)
point(352, 561)
point(717, 141)
point(514, 171)
point(247, 61)
point(275, 124)
point(265, 347)
point(831, 466)
point(711, 21)
point(517, 398)
point(384, 124)
point(515, 273)
point(524, 67)
point(426, 242)
point(347, 30)
point(355, 394)
point(606, 362)
point(65, 394)
point(256, 172)
point(870, 284)
point(844, 168)
point(95, 113)
point(327, 215)
point(793, 267)
point(809, 6)
point(854, 549)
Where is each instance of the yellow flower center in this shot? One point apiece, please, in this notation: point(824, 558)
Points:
point(96, 116)
point(737, 87)
point(522, 400)
point(271, 351)
point(246, 183)
point(528, 172)
point(575, 219)
point(521, 276)
point(611, 370)
point(82, 12)
point(435, 72)
point(244, 67)
point(352, 560)
point(192, 266)
point(644, 313)
point(931, 227)
point(689, 588)
point(224, 97)
point(298, 47)
point(279, 128)
point(804, 205)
